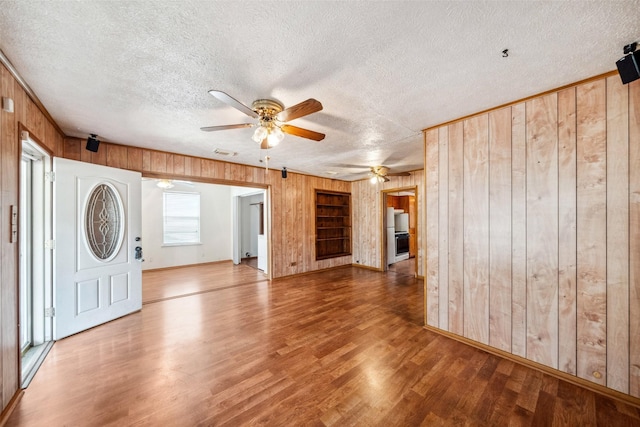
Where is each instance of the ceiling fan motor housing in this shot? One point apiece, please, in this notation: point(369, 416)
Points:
point(267, 109)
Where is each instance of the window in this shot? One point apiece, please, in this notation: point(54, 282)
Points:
point(181, 218)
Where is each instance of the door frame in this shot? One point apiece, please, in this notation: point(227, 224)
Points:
point(40, 255)
point(383, 214)
point(237, 223)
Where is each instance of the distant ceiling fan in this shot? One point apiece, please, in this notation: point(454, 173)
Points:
point(271, 116)
point(382, 174)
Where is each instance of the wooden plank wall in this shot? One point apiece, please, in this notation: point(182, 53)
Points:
point(542, 258)
point(292, 199)
point(366, 199)
point(27, 114)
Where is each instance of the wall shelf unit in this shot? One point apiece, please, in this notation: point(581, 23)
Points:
point(333, 224)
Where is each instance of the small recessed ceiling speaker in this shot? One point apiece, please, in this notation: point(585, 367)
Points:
point(629, 65)
point(93, 143)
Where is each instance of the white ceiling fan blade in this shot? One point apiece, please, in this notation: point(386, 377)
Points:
point(226, 127)
point(229, 100)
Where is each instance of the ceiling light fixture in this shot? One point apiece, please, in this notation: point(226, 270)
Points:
point(268, 134)
point(269, 131)
point(164, 184)
point(377, 179)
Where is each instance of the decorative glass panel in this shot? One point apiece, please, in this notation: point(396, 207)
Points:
point(103, 222)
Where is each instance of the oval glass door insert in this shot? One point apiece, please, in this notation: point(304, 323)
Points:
point(103, 221)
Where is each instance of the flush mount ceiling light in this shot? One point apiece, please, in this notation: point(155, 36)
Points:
point(272, 118)
point(164, 184)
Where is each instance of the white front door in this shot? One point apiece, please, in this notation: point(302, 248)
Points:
point(97, 228)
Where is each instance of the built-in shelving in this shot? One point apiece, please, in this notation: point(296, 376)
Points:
point(333, 224)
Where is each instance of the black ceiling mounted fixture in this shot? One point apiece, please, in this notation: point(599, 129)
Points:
point(629, 65)
point(93, 143)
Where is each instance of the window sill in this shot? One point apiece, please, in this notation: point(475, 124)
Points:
point(169, 245)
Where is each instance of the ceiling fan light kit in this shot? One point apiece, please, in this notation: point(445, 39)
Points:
point(260, 134)
point(267, 109)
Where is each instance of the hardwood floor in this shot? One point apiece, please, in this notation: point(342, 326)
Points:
point(406, 267)
point(343, 347)
point(251, 262)
point(169, 283)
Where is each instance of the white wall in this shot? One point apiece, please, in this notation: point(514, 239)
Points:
point(240, 226)
point(250, 224)
point(215, 226)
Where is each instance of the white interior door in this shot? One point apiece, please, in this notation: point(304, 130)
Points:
point(97, 220)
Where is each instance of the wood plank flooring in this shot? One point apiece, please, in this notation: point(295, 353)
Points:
point(406, 267)
point(169, 283)
point(343, 347)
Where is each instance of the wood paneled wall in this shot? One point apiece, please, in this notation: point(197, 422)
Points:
point(366, 199)
point(27, 114)
point(292, 199)
point(533, 225)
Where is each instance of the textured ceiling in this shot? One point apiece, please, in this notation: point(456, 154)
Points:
point(138, 72)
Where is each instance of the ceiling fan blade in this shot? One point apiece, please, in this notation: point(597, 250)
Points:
point(386, 179)
point(304, 133)
point(399, 174)
point(225, 127)
point(299, 110)
point(234, 103)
